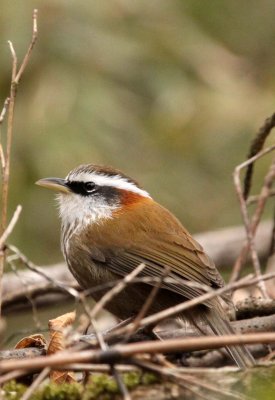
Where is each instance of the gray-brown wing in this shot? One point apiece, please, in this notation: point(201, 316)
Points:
point(182, 277)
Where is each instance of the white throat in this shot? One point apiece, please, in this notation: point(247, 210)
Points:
point(81, 211)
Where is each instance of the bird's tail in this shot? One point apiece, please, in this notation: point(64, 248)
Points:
point(240, 354)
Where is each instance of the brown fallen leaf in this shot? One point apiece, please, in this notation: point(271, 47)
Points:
point(56, 344)
point(36, 340)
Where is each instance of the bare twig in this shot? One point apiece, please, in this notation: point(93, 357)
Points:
point(250, 236)
point(265, 192)
point(264, 195)
point(42, 294)
point(146, 306)
point(6, 171)
point(115, 290)
point(169, 312)
point(272, 242)
point(99, 306)
point(99, 368)
point(189, 382)
point(4, 110)
point(254, 199)
point(31, 46)
point(40, 378)
point(2, 117)
point(3, 239)
point(10, 227)
point(255, 148)
point(6, 155)
point(123, 389)
point(30, 265)
point(2, 158)
point(14, 374)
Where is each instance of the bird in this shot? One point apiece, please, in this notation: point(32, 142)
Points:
point(110, 225)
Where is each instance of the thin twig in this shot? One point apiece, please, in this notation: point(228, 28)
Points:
point(250, 236)
point(146, 306)
point(2, 117)
point(30, 265)
point(40, 378)
point(187, 380)
point(2, 158)
point(10, 262)
point(115, 290)
point(180, 308)
point(262, 198)
point(10, 227)
point(255, 148)
point(121, 385)
point(99, 306)
point(4, 110)
point(272, 242)
point(14, 374)
point(31, 46)
point(3, 239)
point(264, 195)
point(6, 171)
point(106, 368)
point(254, 199)
point(10, 104)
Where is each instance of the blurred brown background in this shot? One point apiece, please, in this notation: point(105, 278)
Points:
point(171, 92)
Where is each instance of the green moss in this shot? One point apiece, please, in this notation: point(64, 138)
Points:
point(100, 386)
point(132, 379)
point(148, 378)
point(65, 391)
point(104, 387)
point(13, 390)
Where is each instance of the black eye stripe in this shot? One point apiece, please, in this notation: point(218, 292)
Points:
point(108, 194)
point(83, 188)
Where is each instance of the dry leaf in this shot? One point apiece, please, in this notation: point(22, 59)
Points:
point(62, 377)
point(56, 343)
point(36, 340)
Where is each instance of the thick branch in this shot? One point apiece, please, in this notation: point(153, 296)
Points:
point(124, 351)
point(252, 325)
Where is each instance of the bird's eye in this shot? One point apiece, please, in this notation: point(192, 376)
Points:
point(89, 186)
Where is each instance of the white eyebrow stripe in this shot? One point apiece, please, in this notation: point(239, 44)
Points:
point(116, 181)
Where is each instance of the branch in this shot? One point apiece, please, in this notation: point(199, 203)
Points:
point(224, 245)
point(255, 148)
point(31, 46)
point(6, 155)
point(252, 306)
point(10, 228)
point(122, 352)
point(248, 227)
point(171, 311)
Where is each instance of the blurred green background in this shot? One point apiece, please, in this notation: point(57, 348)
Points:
point(171, 92)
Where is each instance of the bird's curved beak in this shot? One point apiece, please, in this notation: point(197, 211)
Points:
point(56, 184)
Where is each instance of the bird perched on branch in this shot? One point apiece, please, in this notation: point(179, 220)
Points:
point(110, 225)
